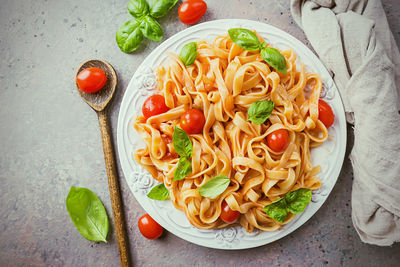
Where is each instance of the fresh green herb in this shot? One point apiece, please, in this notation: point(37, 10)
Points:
point(298, 200)
point(188, 53)
point(184, 148)
point(214, 187)
point(248, 40)
point(294, 202)
point(138, 8)
point(182, 143)
point(260, 111)
point(151, 29)
point(277, 210)
point(274, 58)
point(159, 192)
point(183, 169)
point(159, 8)
point(87, 213)
point(244, 38)
point(129, 36)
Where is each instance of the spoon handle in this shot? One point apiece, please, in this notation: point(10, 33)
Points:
point(113, 185)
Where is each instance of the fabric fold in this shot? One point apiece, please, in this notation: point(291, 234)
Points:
point(354, 41)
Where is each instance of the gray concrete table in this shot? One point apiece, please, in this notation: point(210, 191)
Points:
point(50, 141)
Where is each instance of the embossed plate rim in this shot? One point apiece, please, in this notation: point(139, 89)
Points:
point(237, 239)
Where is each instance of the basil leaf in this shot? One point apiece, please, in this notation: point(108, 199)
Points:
point(182, 143)
point(159, 192)
point(274, 58)
point(277, 210)
point(138, 8)
point(87, 213)
point(151, 29)
point(184, 168)
point(129, 36)
point(159, 8)
point(260, 111)
point(188, 53)
point(244, 38)
point(214, 187)
point(294, 202)
point(298, 200)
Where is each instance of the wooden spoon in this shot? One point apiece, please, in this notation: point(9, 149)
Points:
point(98, 101)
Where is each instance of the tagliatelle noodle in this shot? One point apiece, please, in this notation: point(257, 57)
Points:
point(223, 82)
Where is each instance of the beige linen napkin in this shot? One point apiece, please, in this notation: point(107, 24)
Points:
point(354, 41)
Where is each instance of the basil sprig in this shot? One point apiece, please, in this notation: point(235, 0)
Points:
point(188, 53)
point(294, 202)
point(214, 187)
point(260, 111)
point(87, 213)
point(248, 40)
point(130, 35)
point(184, 148)
point(159, 192)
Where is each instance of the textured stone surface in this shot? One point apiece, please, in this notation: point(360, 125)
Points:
point(50, 141)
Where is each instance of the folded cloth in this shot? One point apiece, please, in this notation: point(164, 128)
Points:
point(354, 41)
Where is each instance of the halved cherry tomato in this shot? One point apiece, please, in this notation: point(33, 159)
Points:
point(149, 227)
point(228, 215)
point(192, 121)
point(154, 105)
point(278, 140)
point(325, 113)
point(191, 11)
point(91, 80)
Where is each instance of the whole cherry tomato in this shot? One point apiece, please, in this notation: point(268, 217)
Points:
point(191, 11)
point(325, 113)
point(154, 105)
point(278, 140)
point(192, 121)
point(228, 215)
point(149, 227)
point(91, 80)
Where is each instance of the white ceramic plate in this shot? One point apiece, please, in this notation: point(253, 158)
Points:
point(330, 155)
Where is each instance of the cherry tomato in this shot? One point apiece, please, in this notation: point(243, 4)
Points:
point(228, 215)
point(149, 227)
point(278, 140)
point(192, 121)
point(91, 80)
point(154, 105)
point(191, 11)
point(325, 113)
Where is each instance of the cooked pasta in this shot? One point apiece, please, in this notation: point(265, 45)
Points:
point(223, 82)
